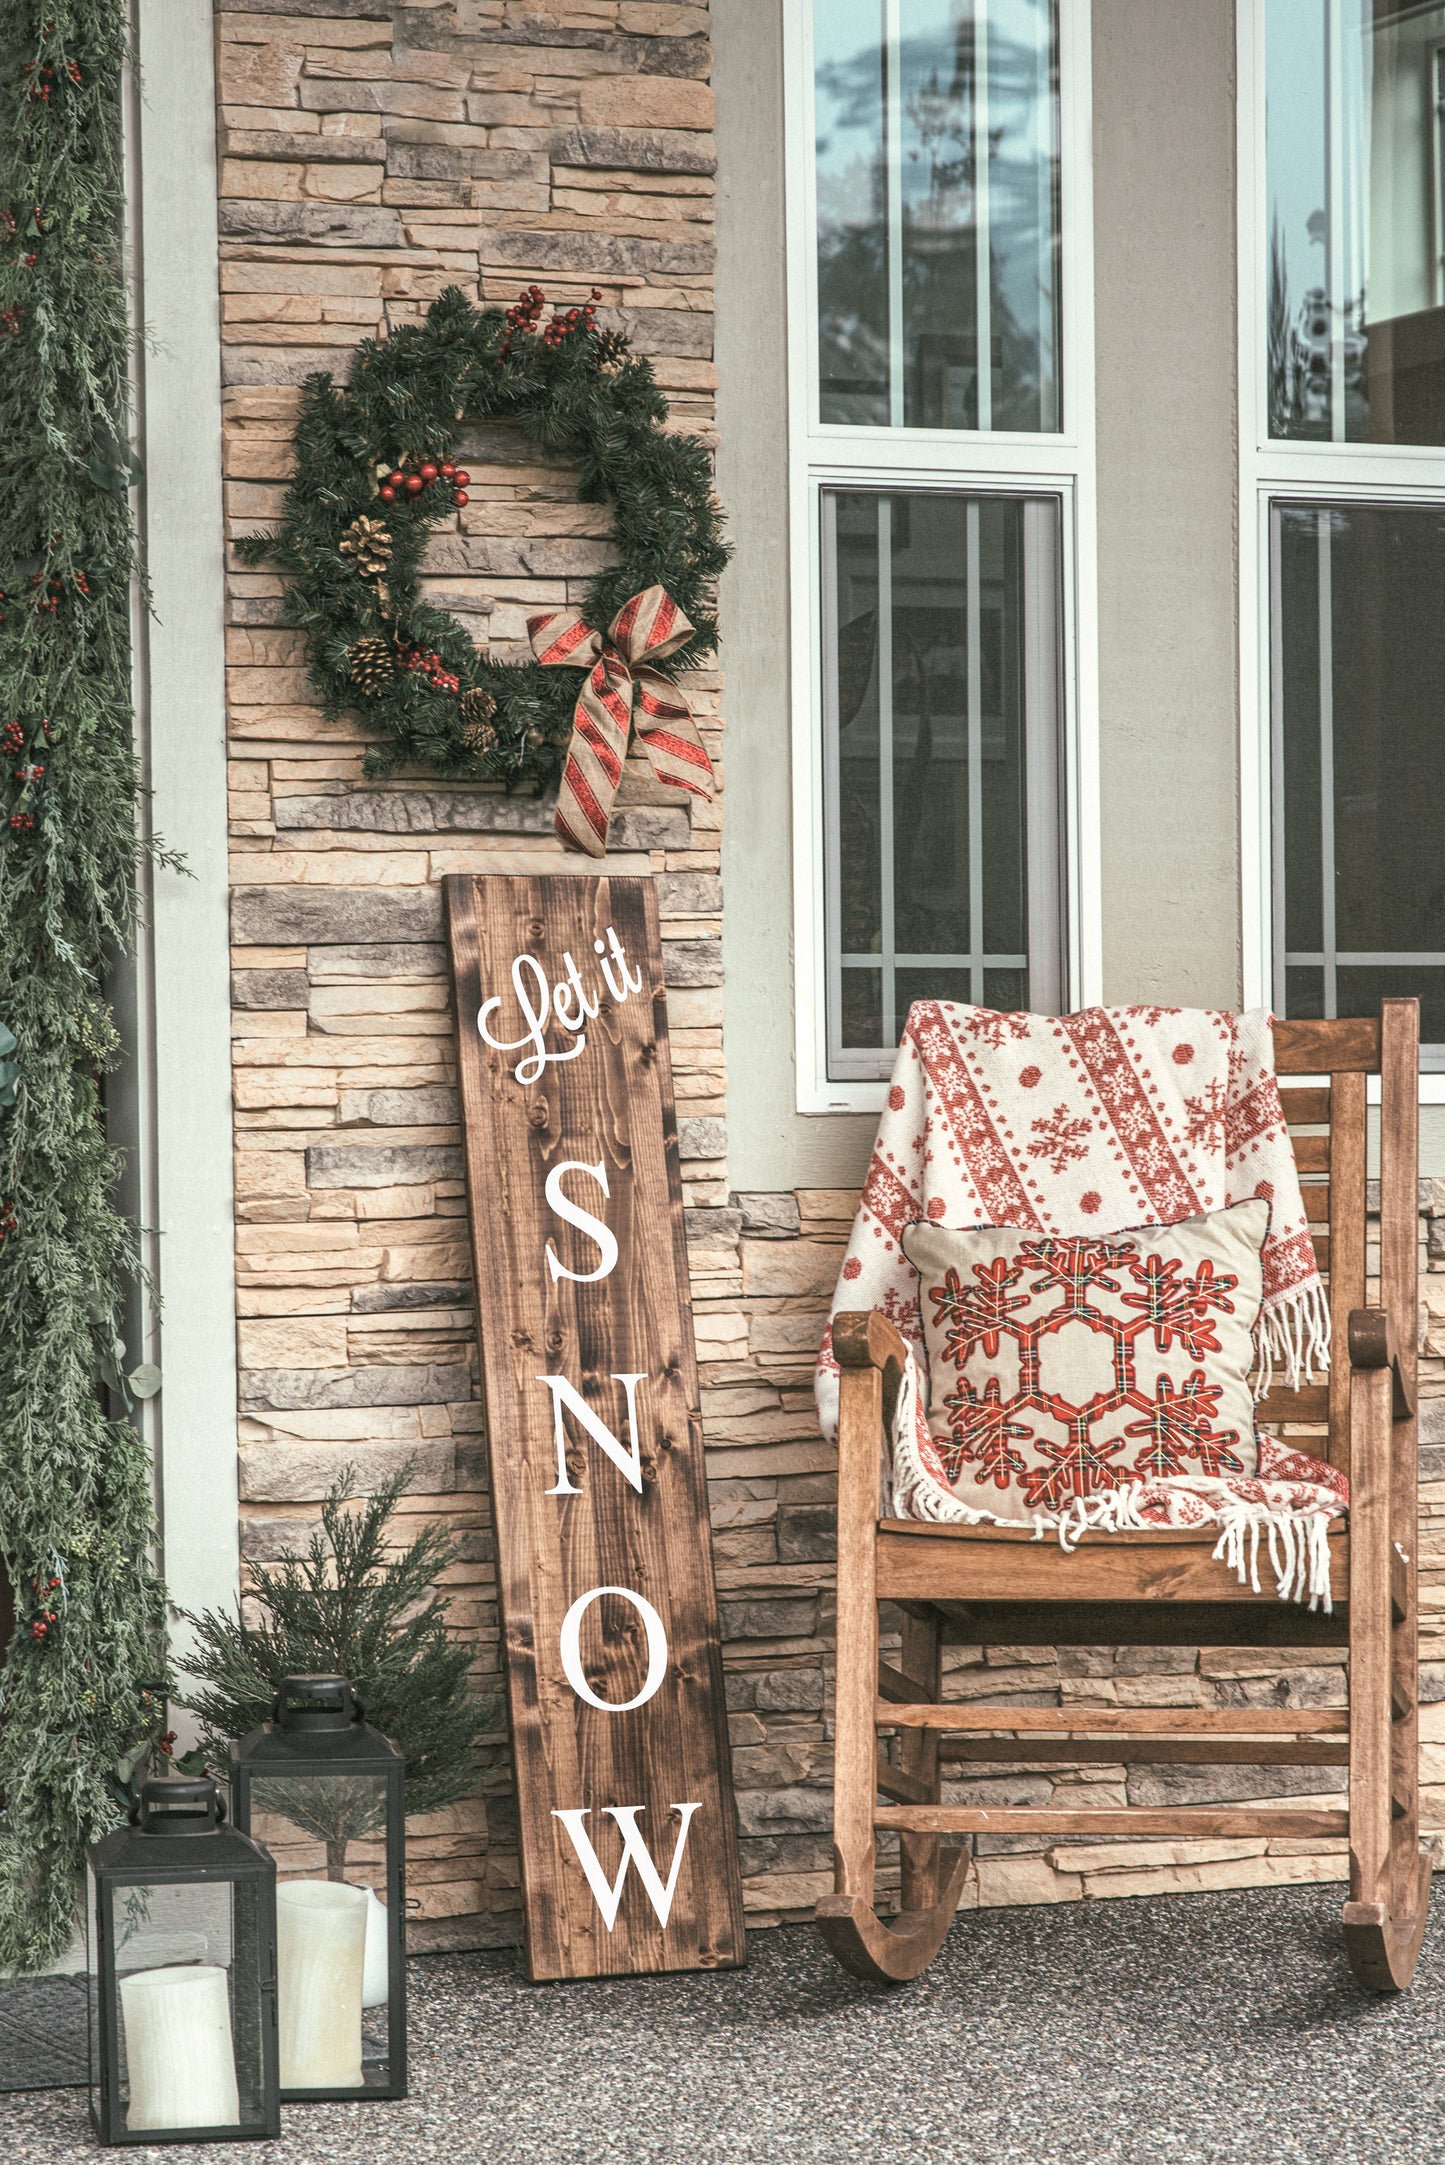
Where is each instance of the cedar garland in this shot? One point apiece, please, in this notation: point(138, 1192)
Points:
point(81, 1677)
point(376, 474)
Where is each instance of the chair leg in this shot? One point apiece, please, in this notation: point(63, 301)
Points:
point(1384, 1919)
point(921, 1855)
point(855, 1934)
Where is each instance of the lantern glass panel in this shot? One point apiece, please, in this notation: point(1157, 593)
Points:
point(329, 1829)
point(182, 2008)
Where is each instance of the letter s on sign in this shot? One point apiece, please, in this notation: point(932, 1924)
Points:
point(572, 1214)
point(571, 1649)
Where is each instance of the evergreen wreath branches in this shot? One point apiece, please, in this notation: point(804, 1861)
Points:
point(376, 474)
point(82, 1678)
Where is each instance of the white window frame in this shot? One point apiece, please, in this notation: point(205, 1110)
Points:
point(825, 456)
point(1272, 469)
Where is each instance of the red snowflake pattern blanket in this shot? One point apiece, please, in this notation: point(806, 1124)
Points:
point(1096, 1123)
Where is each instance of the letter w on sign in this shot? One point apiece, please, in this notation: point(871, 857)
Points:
point(604, 1558)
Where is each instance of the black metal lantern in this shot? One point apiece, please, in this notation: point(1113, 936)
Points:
point(181, 1947)
point(322, 1791)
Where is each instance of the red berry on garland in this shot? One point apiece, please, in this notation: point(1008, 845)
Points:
point(461, 477)
point(387, 495)
point(414, 484)
point(428, 472)
point(396, 478)
point(448, 470)
point(460, 497)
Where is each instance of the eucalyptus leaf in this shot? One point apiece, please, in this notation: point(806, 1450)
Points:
point(9, 1042)
point(145, 1381)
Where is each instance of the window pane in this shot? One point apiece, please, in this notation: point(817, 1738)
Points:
point(852, 212)
point(1359, 656)
point(938, 266)
point(1356, 237)
point(940, 716)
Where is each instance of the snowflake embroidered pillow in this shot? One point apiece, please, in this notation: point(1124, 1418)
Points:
point(1063, 1370)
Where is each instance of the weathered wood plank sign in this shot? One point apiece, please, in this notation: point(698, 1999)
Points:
point(614, 1667)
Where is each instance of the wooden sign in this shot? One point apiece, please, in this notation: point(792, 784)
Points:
point(614, 1667)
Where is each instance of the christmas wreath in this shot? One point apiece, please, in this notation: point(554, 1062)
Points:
point(377, 472)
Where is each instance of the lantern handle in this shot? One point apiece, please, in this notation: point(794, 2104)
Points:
point(290, 1687)
point(179, 1804)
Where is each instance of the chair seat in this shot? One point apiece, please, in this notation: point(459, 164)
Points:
point(919, 1561)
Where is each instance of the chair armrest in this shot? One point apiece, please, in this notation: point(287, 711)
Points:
point(1374, 1343)
point(864, 1339)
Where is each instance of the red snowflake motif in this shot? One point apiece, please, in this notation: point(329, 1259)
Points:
point(1059, 1139)
point(983, 1434)
point(1176, 1308)
point(1179, 1423)
point(994, 1028)
point(1074, 1264)
point(1077, 1467)
point(1149, 1016)
point(1277, 1462)
point(1207, 1115)
point(977, 1315)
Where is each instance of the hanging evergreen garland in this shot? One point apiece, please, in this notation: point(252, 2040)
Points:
point(376, 473)
point(80, 1689)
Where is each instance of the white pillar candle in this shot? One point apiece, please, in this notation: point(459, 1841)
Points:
point(320, 1957)
point(376, 1976)
point(178, 2048)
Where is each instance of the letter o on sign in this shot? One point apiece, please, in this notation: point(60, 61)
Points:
point(571, 1649)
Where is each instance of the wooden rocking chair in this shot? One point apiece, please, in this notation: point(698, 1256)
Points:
point(995, 1585)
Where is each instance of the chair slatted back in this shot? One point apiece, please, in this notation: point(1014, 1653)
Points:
point(1327, 1121)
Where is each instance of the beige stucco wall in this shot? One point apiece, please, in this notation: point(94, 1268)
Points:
point(772, 1146)
point(1164, 221)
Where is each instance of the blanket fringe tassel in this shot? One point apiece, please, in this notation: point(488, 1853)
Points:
point(1297, 1542)
point(1293, 1337)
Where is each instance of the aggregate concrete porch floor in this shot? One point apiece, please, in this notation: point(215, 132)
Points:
point(1196, 2028)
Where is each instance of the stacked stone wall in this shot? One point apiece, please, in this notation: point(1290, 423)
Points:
point(372, 154)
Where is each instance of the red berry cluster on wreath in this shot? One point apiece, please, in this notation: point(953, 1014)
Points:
point(523, 317)
point(12, 739)
point(566, 324)
point(45, 81)
point(402, 482)
point(417, 660)
point(9, 1223)
point(10, 321)
point(48, 593)
point(45, 1590)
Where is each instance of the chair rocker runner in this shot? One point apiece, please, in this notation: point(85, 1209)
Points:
point(995, 1585)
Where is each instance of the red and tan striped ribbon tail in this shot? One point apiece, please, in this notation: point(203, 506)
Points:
point(619, 689)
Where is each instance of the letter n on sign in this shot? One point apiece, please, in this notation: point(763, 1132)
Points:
point(614, 1668)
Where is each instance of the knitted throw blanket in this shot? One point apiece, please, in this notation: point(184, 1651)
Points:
point(1098, 1122)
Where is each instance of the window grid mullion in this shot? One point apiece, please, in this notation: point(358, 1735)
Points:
point(1335, 217)
point(885, 763)
point(893, 182)
point(982, 250)
point(1327, 761)
point(974, 606)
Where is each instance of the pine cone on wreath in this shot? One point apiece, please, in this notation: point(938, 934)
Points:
point(372, 665)
point(478, 734)
point(368, 543)
point(611, 350)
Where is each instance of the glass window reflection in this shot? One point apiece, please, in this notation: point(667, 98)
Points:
point(1355, 300)
point(938, 260)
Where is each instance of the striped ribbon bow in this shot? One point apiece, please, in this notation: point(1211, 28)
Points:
point(649, 624)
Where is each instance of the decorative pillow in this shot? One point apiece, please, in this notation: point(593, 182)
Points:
point(1066, 1369)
